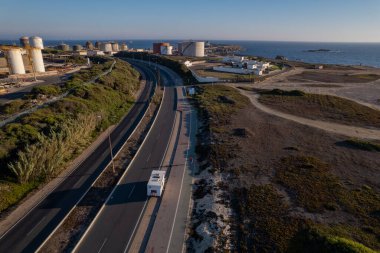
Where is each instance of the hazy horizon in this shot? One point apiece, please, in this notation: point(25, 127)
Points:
point(340, 21)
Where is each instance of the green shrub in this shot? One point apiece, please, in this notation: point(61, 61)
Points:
point(13, 107)
point(48, 90)
point(315, 241)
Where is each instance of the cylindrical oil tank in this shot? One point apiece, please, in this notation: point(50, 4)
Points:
point(115, 46)
point(77, 47)
point(124, 47)
point(192, 48)
point(15, 61)
point(63, 47)
point(36, 42)
point(38, 61)
point(157, 47)
point(106, 47)
point(24, 41)
point(166, 50)
point(89, 45)
point(97, 44)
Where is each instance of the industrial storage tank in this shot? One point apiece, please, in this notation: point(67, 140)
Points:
point(36, 42)
point(192, 48)
point(37, 59)
point(24, 41)
point(15, 62)
point(166, 50)
point(106, 47)
point(157, 47)
point(77, 47)
point(115, 46)
point(98, 44)
point(124, 47)
point(89, 45)
point(63, 47)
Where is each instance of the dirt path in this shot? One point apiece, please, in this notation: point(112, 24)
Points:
point(351, 131)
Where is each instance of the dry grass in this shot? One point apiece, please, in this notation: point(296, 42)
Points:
point(263, 223)
point(330, 77)
point(321, 107)
point(283, 200)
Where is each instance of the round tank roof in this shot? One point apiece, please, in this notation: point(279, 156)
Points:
point(24, 38)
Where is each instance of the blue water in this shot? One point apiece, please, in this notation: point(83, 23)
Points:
point(341, 53)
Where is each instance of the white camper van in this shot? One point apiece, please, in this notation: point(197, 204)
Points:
point(156, 183)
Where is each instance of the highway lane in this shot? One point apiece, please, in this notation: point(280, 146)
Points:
point(113, 229)
point(36, 226)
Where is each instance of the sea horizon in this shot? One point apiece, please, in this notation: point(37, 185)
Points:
point(342, 53)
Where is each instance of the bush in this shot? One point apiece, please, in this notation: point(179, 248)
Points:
point(13, 106)
point(48, 90)
point(361, 144)
point(315, 241)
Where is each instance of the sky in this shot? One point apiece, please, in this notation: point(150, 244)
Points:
point(274, 20)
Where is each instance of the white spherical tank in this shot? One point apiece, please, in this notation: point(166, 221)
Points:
point(106, 47)
point(166, 50)
point(15, 61)
point(36, 42)
point(38, 61)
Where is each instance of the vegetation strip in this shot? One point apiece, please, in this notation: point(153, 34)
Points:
point(59, 128)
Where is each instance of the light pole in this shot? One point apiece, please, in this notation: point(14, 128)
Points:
point(110, 144)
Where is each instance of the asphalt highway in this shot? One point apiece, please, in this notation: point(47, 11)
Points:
point(114, 228)
point(30, 232)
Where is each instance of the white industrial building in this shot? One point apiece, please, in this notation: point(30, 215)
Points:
point(94, 52)
point(156, 183)
point(188, 63)
point(241, 65)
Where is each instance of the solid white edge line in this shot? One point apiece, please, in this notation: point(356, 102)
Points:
point(180, 190)
point(67, 215)
point(162, 161)
point(121, 178)
point(185, 236)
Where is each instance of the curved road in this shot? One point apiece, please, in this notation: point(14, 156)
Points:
point(347, 130)
point(113, 229)
point(28, 234)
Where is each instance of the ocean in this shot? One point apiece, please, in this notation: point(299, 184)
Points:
point(367, 54)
